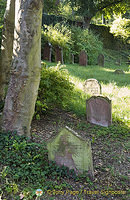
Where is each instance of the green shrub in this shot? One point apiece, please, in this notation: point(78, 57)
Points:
point(58, 35)
point(24, 160)
point(55, 89)
point(24, 165)
point(121, 28)
point(86, 40)
point(73, 40)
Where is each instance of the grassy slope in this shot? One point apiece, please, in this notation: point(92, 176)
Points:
point(114, 86)
point(110, 145)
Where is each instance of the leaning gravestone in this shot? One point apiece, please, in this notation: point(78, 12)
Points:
point(70, 150)
point(101, 60)
point(98, 110)
point(83, 59)
point(92, 86)
point(47, 52)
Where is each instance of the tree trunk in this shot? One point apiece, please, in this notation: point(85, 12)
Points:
point(7, 46)
point(87, 22)
point(26, 66)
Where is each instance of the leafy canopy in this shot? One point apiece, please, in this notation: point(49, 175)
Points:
point(91, 7)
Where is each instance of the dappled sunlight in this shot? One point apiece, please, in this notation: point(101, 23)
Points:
point(77, 82)
point(120, 97)
point(107, 70)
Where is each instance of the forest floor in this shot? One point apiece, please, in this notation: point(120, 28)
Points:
point(110, 160)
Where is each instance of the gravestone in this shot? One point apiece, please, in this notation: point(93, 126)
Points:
point(72, 58)
point(47, 52)
point(83, 58)
point(118, 62)
point(92, 86)
point(98, 110)
point(101, 60)
point(70, 150)
point(58, 54)
point(119, 71)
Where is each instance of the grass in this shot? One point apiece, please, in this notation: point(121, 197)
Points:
point(115, 86)
point(24, 165)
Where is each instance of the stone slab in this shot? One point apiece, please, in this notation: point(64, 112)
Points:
point(59, 54)
point(83, 58)
point(101, 60)
point(98, 109)
point(92, 86)
point(47, 52)
point(70, 150)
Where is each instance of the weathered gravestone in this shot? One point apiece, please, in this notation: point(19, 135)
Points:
point(70, 150)
point(92, 86)
point(101, 60)
point(59, 54)
point(72, 58)
point(47, 52)
point(119, 71)
point(83, 58)
point(98, 110)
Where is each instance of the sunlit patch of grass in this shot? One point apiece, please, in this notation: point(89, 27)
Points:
point(120, 97)
point(115, 86)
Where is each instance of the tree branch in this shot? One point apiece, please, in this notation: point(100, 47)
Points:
point(109, 4)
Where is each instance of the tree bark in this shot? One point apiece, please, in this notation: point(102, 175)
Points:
point(7, 47)
point(26, 66)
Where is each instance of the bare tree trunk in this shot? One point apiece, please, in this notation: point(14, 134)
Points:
point(25, 75)
point(7, 46)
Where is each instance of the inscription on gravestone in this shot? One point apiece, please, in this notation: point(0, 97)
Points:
point(70, 150)
point(98, 110)
point(92, 86)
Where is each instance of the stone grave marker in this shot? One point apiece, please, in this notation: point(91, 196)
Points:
point(101, 60)
point(119, 71)
point(59, 54)
point(92, 86)
point(72, 58)
point(98, 110)
point(70, 150)
point(47, 52)
point(83, 58)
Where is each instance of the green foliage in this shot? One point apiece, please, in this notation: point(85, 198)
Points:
point(58, 35)
point(89, 8)
point(25, 164)
point(24, 160)
point(55, 89)
point(73, 40)
point(51, 6)
point(121, 28)
point(2, 10)
point(86, 40)
point(109, 41)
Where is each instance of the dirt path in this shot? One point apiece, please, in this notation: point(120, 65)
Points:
point(110, 160)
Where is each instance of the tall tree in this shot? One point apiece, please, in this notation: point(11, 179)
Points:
point(7, 46)
point(26, 66)
point(89, 8)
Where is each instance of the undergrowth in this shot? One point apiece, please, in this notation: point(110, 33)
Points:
point(24, 167)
